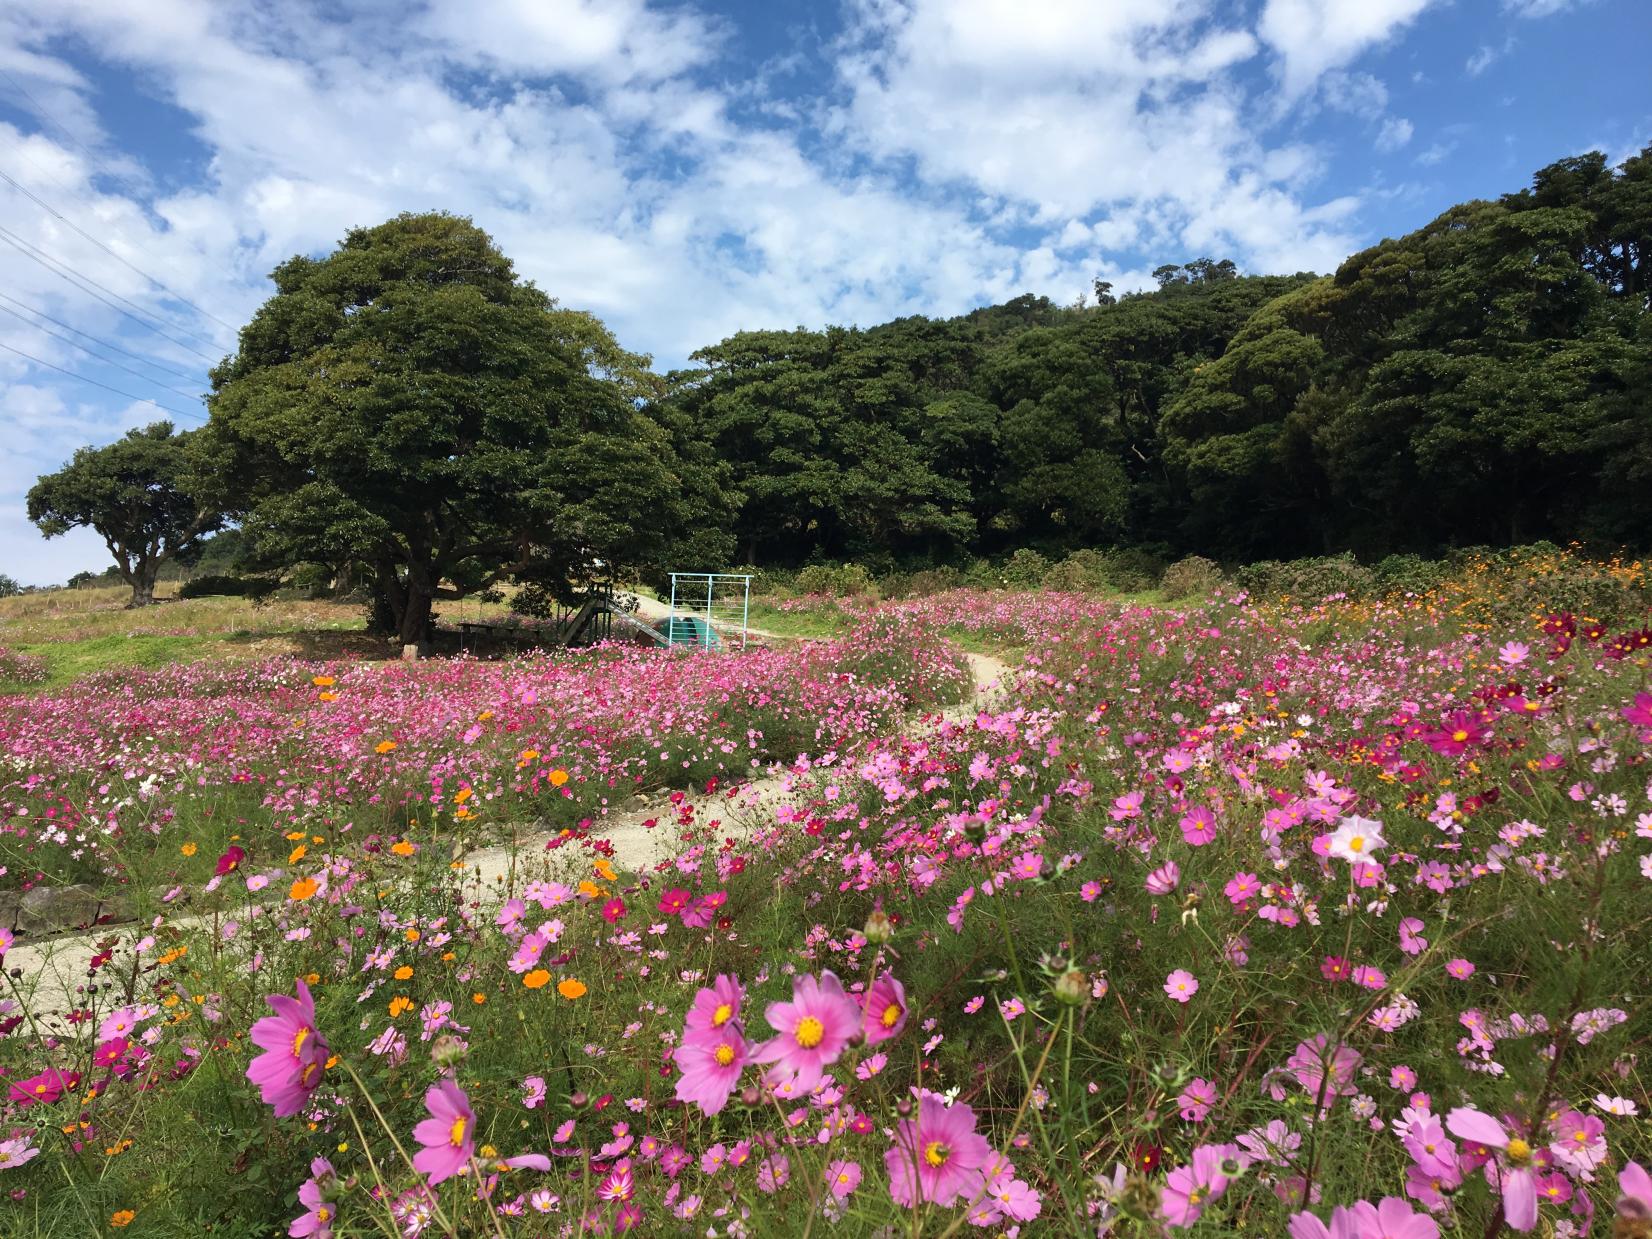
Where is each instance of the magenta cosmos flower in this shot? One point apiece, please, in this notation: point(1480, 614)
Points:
point(813, 1029)
point(937, 1155)
point(1514, 1177)
point(716, 1005)
point(711, 1061)
point(1393, 1218)
point(448, 1135)
point(295, 1054)
point(885, 1010)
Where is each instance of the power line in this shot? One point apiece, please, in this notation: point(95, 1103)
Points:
point(98, 340)
point(60, 268)
point(108, 361)
point(67, 222)
point(140, 399)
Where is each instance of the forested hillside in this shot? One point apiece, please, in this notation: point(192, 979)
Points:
point(1484, 379)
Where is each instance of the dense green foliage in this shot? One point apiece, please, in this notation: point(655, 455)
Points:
point(1483, 380)
point(140, 493)
point(408, 404)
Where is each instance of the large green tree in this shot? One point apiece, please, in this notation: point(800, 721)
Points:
point(408, 403)
point(140, 493)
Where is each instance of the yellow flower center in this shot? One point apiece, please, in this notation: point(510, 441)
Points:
point(936, 1152)
point(1195, 1196)
point(456, 1134)
point(724, 1054)
point(324, 1214)
point(1519, 1150)
point(891, 1015)
point(1459, 735)
point(722, 1015)
point(1357, 843)
point(299, 1038)
point(810, 1032)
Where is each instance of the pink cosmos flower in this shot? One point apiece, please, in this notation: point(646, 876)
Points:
point(1411, 940)
point(1241, 887)
point(885, 1010)
point(1181, 985)
point(711, 1062)
point(317, 1222)
point(1164, 879)
point(1636, 1188)
point(295, 1053)
point(1196, 1100)
point(448, 1135)
point(937, 1155)
point(1188, 1189)
point(716, 1005)
point(1393, 1218)
point(814, 1027)
point(1199, 826)
point(1461, 730)
point(1461, 969)
point(843, 1177)
point(1514, 1177)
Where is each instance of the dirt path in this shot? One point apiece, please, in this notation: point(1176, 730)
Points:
point(53, 972)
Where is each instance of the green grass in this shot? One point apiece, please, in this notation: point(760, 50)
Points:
point(816, 623)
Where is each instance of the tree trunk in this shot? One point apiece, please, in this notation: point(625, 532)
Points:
point(415, 622)
point(143, 585)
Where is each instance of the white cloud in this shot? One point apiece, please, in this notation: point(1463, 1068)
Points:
point(1313, 37)
point(1487, 55)
point(1395, 133)
point(1539, 8)
point(968, 151)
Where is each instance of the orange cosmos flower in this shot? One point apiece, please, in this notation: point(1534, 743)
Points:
point(303, 889)
point(398, 1004)
point(571, 989)
point(403, 848)
point(323, 681)
point(385, 746)
point(537, 979)
point(558, 778)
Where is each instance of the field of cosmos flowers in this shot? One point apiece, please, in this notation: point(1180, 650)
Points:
point(1290, 919)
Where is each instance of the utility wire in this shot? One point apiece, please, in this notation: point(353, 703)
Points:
point(57, 267)
point(98, 340)
point(141, 399)
point(108, 361)
point(69, 223)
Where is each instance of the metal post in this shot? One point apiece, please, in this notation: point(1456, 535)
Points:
point(745, 612)
point(710, 581)
point(671, 616)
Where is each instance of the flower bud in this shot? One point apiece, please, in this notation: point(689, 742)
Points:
point(879, 927)
point(447, 1051)
point(1072, 987)
point(579, 1101)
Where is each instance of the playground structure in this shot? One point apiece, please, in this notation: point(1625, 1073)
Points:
point(709, 609)
point(705, 609)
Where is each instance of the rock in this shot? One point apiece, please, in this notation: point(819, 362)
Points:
point(10, 902)
point(47, 909)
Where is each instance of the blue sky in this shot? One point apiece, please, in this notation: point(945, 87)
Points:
point(688, 170)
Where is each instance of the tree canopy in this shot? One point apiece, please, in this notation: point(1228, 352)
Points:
point(142, 493)
point(408, 403)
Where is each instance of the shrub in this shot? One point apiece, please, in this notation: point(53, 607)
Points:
point(1131, 570)
point(1409, 574)
point(17, 667)
point(1025, 569)
point(214, 586)
point(834, 580)
point(1192, 577)
point(1308, 580)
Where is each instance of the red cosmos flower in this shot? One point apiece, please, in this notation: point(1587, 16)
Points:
point(1146, 1157)
point(232, 857)
point(674, 901)
point(1561, 622)
point(613, 910)
point(1591, 629)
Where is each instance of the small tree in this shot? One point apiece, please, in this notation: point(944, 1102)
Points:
point(9, 588)
point(137, 493)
